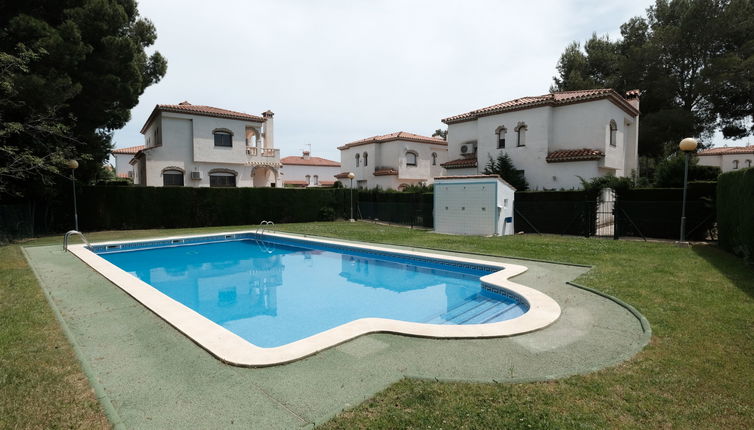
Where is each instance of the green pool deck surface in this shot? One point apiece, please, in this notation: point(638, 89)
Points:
point(149, 375)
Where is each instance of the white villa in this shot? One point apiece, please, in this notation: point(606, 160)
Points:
point(123, 157)
point(308, 171)
point(727, 158)
point(553, 138)
point(393, 160)
point(203, 146)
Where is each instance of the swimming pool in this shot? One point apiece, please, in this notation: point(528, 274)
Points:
point(254, 303)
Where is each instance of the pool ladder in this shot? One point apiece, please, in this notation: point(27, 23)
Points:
point(264, 225)
point(72, 232)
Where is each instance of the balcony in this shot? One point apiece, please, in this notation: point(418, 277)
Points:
point(262, 152)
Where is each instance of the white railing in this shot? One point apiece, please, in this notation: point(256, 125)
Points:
point(262, 152)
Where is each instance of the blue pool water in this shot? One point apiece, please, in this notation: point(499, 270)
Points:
point(279, 293)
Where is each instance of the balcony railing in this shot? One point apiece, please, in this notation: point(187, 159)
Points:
point(262, 152)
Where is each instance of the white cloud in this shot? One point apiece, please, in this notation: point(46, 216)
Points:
point(337, 71)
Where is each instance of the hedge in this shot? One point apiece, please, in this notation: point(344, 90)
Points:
point(402, 208)
point(120, 208)
point(735, 213)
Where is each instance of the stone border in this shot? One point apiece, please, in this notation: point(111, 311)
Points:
point(232, 349)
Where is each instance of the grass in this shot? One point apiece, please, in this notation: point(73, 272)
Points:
point(698, 371)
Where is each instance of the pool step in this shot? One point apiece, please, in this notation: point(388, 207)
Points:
point(479, 310)
point(464, 307)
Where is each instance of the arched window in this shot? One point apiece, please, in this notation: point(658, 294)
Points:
point(434, 159)
point(410, 158)
point(223, 137)
point(357, 160)
point(735, 164)
point(613, 132)
point(222, 178)
point(308, 180)
point(366, 159)
point(521, 134)
point(748, 163)
point(172, 178)
point(316, 177)
point(500, 132)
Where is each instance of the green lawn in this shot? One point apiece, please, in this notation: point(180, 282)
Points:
point(698, 371)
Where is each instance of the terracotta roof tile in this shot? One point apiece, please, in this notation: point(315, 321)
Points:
point(129, 150)
point(574, 155)
point(342, 175)
point(295, 182)
point(460, 163)
point(551, 99)
point(326, 183)
point(123, 175)
point(400, 135)
point(188, 108)
point(385, 172)
point(297, 160)
point(727, 150)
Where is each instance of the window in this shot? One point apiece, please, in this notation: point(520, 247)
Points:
point(411, 158)
point(521, 134)
point(501, 136)
point(308, 180)
point(222, 179)
point(735, 164)
point(157, 137)
point(223, 138)
point(172, 178)
point(357, 160)
point(316, 177)
point(366, 159)
point(613, 132)
point(434, 159)
point(748, 163)
point(362, 185)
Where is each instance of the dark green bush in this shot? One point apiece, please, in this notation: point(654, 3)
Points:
point(105, 208)
point(735, 213)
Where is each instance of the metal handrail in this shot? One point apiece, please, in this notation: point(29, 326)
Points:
point(260, 232)
point(69, 233)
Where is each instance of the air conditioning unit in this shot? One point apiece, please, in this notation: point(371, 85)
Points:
point(131, 174)
point(196, 176)
point(468, 148)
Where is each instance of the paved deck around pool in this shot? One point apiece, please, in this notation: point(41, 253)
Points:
point(155, 377)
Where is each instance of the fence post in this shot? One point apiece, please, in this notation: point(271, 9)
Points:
point(616, 218)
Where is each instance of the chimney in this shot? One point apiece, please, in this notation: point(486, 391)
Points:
point(269, 141)
point(306, 155)
point(632, 97)
point(184, 103)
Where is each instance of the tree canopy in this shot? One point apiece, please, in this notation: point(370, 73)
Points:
point(70, 72)
point(692, 60)
point(503, 167)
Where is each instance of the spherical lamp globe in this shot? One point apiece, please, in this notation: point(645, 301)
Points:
point(688, 144)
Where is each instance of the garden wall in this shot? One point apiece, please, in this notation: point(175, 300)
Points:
point(735, 213)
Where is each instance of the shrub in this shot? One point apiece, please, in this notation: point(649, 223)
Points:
point(735, 213)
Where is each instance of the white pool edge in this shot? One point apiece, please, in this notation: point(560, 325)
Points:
point(232, 349)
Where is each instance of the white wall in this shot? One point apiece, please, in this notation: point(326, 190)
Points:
point(726, 161)
point(121, 163)
point(473, 206)
point(188, 145)
point(549, 129)
point(296, 172)
point(393, 155)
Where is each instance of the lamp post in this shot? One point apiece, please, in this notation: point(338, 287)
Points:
point(73, 165)
point(687, 145)
point(351, 175)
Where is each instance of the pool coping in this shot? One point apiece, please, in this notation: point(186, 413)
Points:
point(232, 349)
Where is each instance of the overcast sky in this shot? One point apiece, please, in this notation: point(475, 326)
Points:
point(338, 71)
